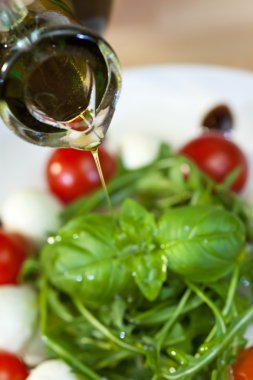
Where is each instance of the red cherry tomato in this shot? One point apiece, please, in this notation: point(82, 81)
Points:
point(13, 252)
point(11, 367)
point(72, 173)
point(217, 157)
point(243, 368)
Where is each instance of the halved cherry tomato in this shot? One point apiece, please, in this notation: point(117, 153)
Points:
point(11, 367)
point(72, 173)
point(13, 252)
point(243, 368)
point(217, 157)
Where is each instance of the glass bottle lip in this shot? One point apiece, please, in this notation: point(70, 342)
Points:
point(53, 31)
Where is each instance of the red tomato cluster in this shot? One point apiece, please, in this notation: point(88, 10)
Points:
point(72, 173)
point(217, 156)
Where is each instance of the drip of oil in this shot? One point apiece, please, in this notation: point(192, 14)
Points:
point(102, 179)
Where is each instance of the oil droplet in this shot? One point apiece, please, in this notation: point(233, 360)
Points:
point(130, 299)
point(245, 282)
point(204, 348)
point(51, 240)
point(79, 278)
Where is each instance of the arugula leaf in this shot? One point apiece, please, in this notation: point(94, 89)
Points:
point(201, 243)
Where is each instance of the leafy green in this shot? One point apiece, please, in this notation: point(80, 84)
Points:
point(201, 243)
point(84, 260)
point(158, 289)
point(135, 238)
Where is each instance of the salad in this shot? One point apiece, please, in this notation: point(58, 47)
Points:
point(157, 287)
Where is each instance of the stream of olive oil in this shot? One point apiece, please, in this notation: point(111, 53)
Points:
point(102, 179)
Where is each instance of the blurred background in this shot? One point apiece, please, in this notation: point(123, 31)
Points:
point(216, 32)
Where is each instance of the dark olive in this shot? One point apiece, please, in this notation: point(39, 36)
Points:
point(219, 119)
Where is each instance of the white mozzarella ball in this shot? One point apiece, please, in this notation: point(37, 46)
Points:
point(31, 213)
point(136, 149)
point(18, 315)
point(52, 370)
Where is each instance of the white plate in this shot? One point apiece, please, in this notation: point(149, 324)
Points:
point(165, 101)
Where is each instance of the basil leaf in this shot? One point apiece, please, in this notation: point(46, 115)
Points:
point(137, 225)
point(201, 242)
point(83, 261)
point(149, 272)
point(135, 237)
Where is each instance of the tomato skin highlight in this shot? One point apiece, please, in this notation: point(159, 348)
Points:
point(13, 252)
point(72, 173)
point(243, 368)
point(11, 367)
point(217, 157)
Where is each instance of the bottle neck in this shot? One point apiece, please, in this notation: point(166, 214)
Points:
point(20, 19)
point(14, 12)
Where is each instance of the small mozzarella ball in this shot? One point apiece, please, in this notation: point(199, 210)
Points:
point(136, 149)
point(31, 213)
point(51, 370)
point(18, 315)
